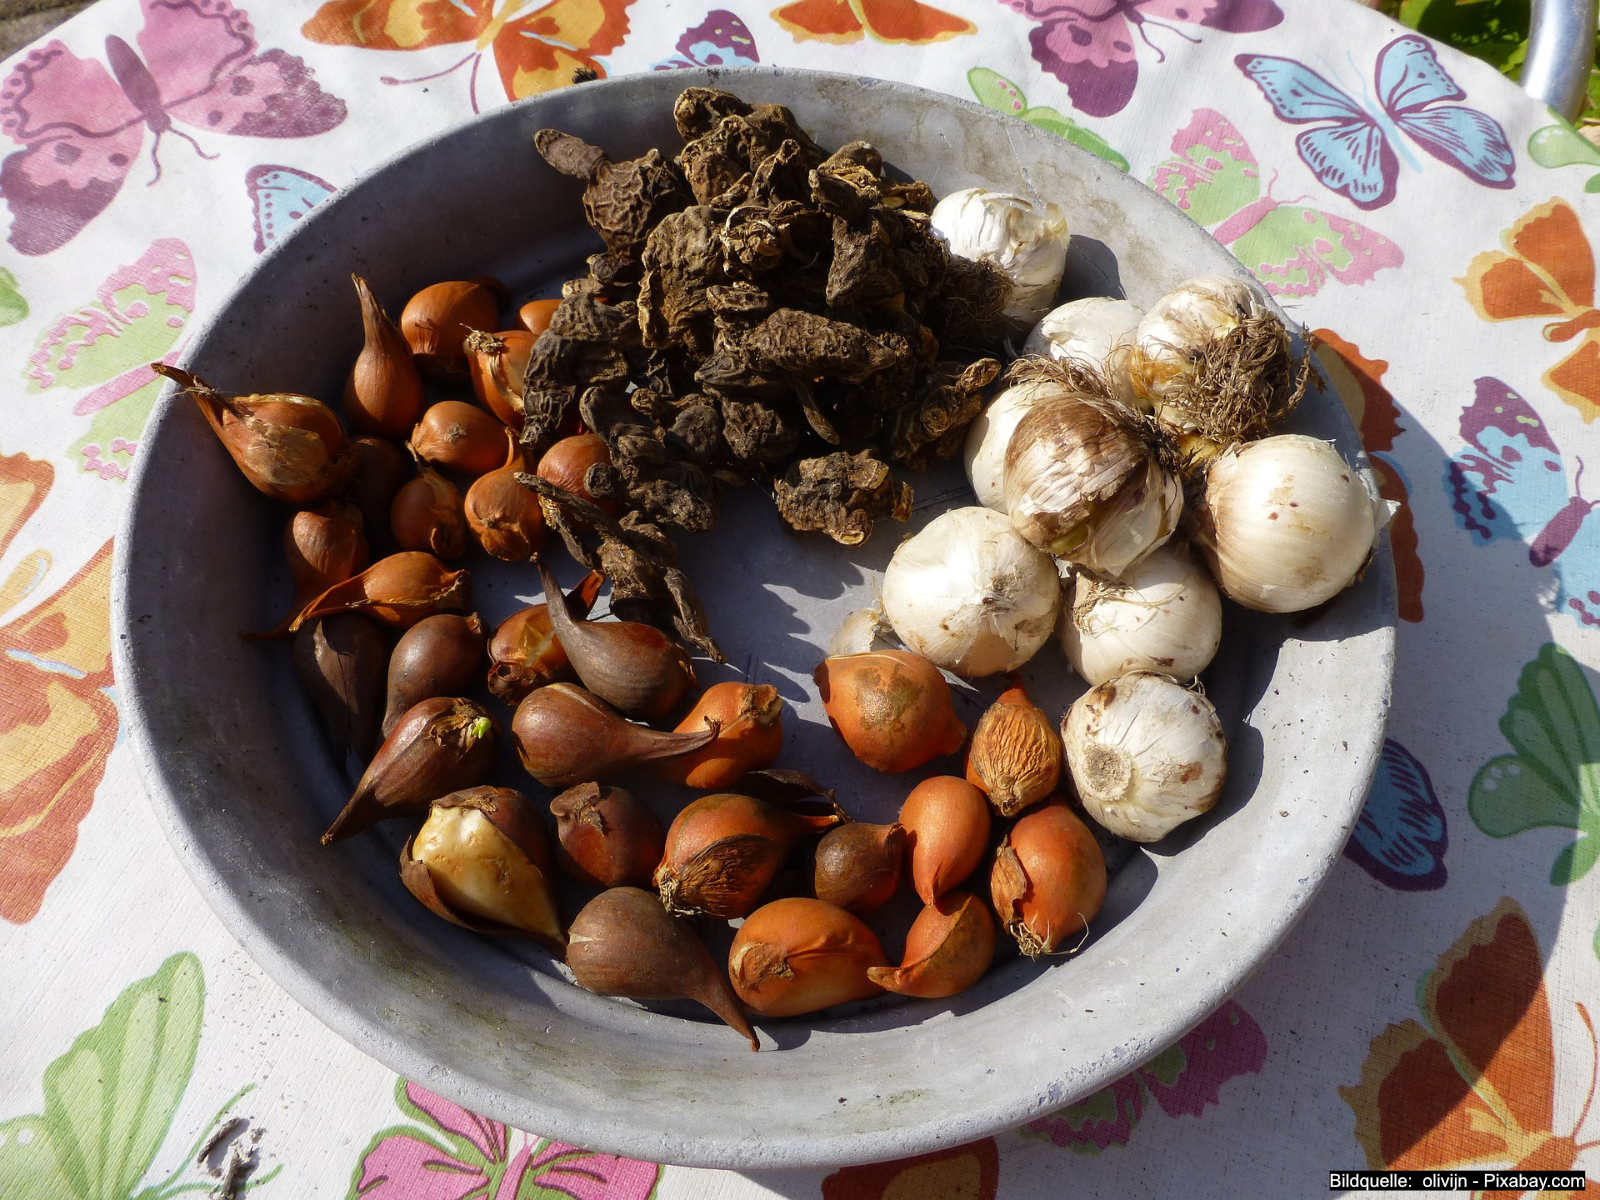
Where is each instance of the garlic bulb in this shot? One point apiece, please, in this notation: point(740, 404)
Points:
point(1025, 239)
point(1084, 482)
point(984, 455)
point(1146, 754)
point(1285, 523)
point(1215, 364)
point(1164, 615)
point(1097, 330)
point(969, 595)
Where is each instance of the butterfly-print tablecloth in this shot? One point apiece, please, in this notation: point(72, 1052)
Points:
point(1430, 224)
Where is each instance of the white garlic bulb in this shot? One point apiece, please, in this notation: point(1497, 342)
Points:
point(1026, 239)
point(1285, 523)
point(969, 595)
point(1146, 754)
point(1163, 615)
point(478, 870)
point(1082, 482)
point(984, 454)
point(1097, 330)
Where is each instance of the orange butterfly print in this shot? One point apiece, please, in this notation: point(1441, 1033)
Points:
point(1546, 270)
point(903, 21)
point(971, 1172)
point(536, 46)
point(1475, 1083)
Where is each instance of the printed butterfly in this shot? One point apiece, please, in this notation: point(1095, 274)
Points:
point(1292, 249)
point(1563, 146)
point(902, 22)
point(82, 126)
point(1089, 44)
point(1511, 483)
point(536, 47)
point(995, 91)
point(1553, 725)
point(137, 316)
point(721, 40)
point(1353, 156)
point(1475, 1081)
point(280, 196)
point(1546, 272)
point(1401, 838)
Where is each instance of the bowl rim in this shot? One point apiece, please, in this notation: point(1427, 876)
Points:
point(358, 1026)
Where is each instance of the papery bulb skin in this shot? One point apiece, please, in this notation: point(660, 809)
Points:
point(858, 866)
point(460, 437)
point(399, 591)
point(1286, 524)
point(948, 948)
point(383, 394)
point(1048, 881)
point(798, 955)
point(750, 734)
point(1164, 615)
point(427, 515)
point(1015, 757)
point(1026, 239)
point(892, 708)
point(984, 453)
point(947, 821)
point(566, 736)
point(1146, 754)
point(505, 517)
point(970, 594)
point(440, 655)
point(1098, 331)
point(487, 862)
point(624, 943)
point(497, 363)
point(436, 322)
point(340, 661)
point(607, 837)
point(324, 546)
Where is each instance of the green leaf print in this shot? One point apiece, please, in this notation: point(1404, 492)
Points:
point(13, 307)
point(1560, 145)
point(1553, 779)
point(995, 91)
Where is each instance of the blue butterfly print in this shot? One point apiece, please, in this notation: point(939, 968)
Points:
point(280, 196)
point(1511, 482)
point(1353, 155)
point(721, 40)
point(1401, 838)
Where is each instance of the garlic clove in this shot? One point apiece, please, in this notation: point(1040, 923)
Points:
point(948, 948)
point(1048, 880)
point(983, 455)
point(947, 831)
point(1015, 756)
point(1146, 754)
point(798, 955)
point(1286, 524)
point(487, 864)
point(970, 595)
point(624, 943)
point(1164, 615)
point(1098, 331)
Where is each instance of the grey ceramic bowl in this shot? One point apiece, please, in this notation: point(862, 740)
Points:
point(243, 782)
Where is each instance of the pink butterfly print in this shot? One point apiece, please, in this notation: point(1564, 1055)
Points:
point(81, 126)
point(1090, 44)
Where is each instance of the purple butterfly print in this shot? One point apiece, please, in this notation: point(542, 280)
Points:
point(1401, 837)
point(1353, 156)
point(1511, 482)
point(722, 39)
point(1089, 45)
point(280, 196)
point(82, 126)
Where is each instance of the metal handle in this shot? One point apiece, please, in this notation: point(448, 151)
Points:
point(1561, 44)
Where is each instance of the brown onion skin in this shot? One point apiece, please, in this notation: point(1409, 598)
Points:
point(496, 363)
point(858, 866)
point(751, 734)
point(461, 437)
point(947, 831)
point(535, 315)
point(624, 943)
point(340, 661)
point(324, 546)
point(399, 591)
point(441, 745)
point(567, 462)
point(505, 517)
point(427, 515)
point(383, 394)
point(892, 708)
point(525, 654)
point(566, 736)
point(722, 852)
point(1016, 753)
point(798, 955)
point(436, 320)
point(1049, 879)
point(440, 655)
point(381, 470)
point(948, 948)
point(607, 837)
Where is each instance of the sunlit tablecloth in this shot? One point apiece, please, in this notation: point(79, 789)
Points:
point(1430, 223)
